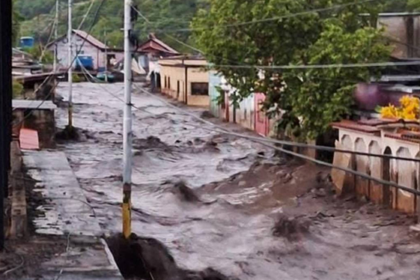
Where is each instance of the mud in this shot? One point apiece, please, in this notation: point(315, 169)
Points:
point(149, 259)
point(292, 228)
point(24, 257)
point(222, 216)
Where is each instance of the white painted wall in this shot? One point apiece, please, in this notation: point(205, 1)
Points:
point(99, 57)
point(405, 170)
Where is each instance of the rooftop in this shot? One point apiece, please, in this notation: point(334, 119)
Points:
point(155, 44)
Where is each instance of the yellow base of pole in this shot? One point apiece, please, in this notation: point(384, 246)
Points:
point(126, 211)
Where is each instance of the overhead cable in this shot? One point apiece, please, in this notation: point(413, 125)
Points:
point(260, 141)
point(71, 65)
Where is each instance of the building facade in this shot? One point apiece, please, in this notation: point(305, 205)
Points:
point(185, 79)
point(102, 55)
point(403, 30)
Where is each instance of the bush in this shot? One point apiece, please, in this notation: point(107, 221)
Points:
point(76, 78)
point(17, 89)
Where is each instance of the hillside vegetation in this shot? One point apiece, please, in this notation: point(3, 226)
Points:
point(38, 17)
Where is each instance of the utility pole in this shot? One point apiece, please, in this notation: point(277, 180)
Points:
point(127, 161)
point(106, 57)
point(70, 65)
point(57, 10)
point(5, 104)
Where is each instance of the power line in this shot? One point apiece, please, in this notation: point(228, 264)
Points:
point(265, 141)
point(273, 141)
point(289, 67)
point(86, 14)
point(262, 142)
point(273, 18)
point(74, 59)
point(318, 66)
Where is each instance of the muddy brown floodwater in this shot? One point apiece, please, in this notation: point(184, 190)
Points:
point(217, 207)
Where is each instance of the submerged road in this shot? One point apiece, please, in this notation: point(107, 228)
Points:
point(239, 189)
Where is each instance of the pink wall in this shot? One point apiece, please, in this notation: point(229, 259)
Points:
point(262, 123)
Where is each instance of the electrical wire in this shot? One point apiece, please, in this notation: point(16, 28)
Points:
point(273, 18)
point(319, 66)
point(279, 142)
point(261, 141)
point(287, 143)
point(285, 67)
point(70, 65)
point(86, 14)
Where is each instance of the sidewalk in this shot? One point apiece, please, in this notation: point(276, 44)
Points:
point(65, 218)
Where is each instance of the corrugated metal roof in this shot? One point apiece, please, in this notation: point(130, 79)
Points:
point(28, 139)
point(33, 104)
point(90, 39)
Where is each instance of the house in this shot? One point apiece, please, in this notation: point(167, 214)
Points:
point(186, 79)
point(101, 54)
point(242, 114)
point(153, 49)
point(264, 125)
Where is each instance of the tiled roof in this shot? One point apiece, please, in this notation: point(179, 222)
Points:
point(158, 45)
point(376, 122)
point(356, 126)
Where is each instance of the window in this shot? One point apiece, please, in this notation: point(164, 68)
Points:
point(199, 89)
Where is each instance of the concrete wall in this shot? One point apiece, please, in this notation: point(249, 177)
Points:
point(262, 123)
point(197, 75)
point(405, 31)
point(404, 173)
point(173, 75)
point(42, 121)
point(214, 81)
point(32, 90)
point(244, 114)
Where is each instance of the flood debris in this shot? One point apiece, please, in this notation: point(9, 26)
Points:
point(68, 133)
point(185, 193)
point(207, 115)
point(291, 228)
point(148, 259)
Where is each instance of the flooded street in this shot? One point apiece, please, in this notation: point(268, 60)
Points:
point(213, 200)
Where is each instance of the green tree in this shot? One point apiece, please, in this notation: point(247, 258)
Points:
point(163, 15)
point(336, 36)
point(16, 21)
point(40, 54)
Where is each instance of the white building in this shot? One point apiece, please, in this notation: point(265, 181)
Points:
point(101, 54)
